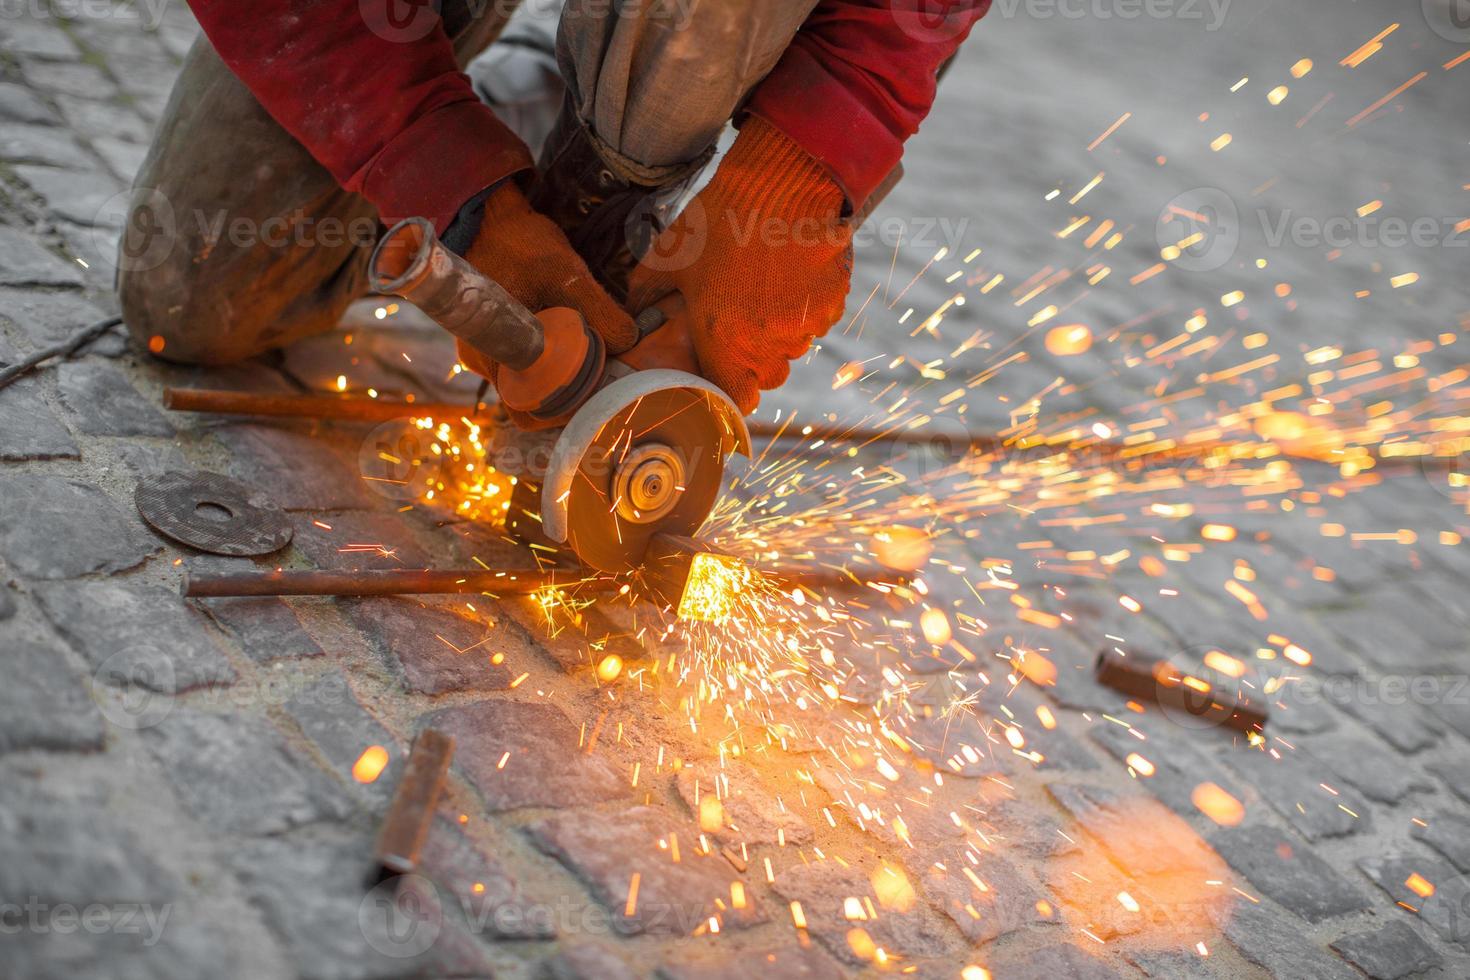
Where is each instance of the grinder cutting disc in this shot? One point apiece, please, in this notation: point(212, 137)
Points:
point(645, 455)
point(208, 512)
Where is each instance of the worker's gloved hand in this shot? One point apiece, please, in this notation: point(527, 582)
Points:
point(773, 270)
point(529, 256)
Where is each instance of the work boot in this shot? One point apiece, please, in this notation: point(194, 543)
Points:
point(609, 220)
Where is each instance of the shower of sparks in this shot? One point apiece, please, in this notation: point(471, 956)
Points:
point(897, 683)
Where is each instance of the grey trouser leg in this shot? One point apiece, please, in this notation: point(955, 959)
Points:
point(657, 83)
point(238, 240)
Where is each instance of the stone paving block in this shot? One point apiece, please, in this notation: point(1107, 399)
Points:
point(789, 963)
point(1368, 767)
point(24, 262)
point(1446, 910)
point(102, 119)
point(126, 943)
point(28, 428)
point(437, 647)
point(573, 647)
point(105, 403)
point(266, 628)
point(1454, 776)
point(54, 528)
point(605, 851)
point(548, 764)
point(1388, 633)
point(484, 889)
point(1179, 766)
point(7, 602)
point(823, 888)
point(316, 896)
point(359, 539)
point(1452, 703)
point(586, 961)
point(71, 77)
point(1386, 705)
point(135, 634)
point(42, 704)
point(1289, 873)
point(45, 40)
point(46, 316)
point(1449, 834)
point(295, 470)
point(20, 104)
point(123, 158)
point(1142, 837)
point(906, 825)
point(1051, 963)
point(1292, 785)
point(23, 143)
point(1175, 964)
point(1276, 942)
point(1019, 827)
point(342, 729)
point(1389, 952)
point(1006, 902)
point(59, 851)
point(751, 815)
point(74, 195)
point(235, 773)
point(38, 38)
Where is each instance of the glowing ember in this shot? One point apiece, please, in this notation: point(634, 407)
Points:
point(370, 765)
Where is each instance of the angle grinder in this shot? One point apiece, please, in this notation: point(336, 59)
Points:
point(643, 445)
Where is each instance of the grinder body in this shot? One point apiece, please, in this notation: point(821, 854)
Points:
point(645, 439)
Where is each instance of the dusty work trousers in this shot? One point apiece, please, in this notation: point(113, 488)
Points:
point(238, 241)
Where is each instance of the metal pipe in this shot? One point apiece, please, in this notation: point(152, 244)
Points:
point(307, 406)
point(411, 262)
point(411, 814)
point(382, 582)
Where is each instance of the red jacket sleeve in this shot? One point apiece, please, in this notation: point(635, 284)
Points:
point(372, 90)
point(859, 78)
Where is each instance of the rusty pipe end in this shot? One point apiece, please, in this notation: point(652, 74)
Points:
point(401, 260)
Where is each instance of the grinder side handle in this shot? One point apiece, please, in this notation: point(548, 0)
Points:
point(411, 262)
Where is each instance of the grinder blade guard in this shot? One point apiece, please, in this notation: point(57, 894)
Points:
point(645, 455)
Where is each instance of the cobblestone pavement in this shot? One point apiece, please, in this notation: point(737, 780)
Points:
point(180, 789)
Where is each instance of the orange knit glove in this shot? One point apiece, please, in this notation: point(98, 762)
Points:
point(528, 255)
point(763, 258)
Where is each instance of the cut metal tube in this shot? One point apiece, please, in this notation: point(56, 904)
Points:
point(411, 262)
point(411, 814)
point(218, 402)
point(1161, 683)
point(394, 581)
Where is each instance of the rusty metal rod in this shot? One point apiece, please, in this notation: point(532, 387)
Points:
point(1161, 683)
point(375, 410)
point(220, 402)
point(392, 581)
point(411, 814)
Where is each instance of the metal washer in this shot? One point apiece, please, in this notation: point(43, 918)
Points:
point(180, 506)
